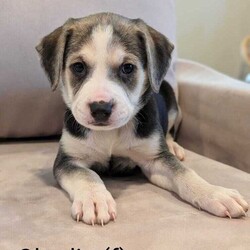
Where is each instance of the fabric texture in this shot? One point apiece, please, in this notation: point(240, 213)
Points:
point(216, 116)
point(34, 212)
point(27, 105)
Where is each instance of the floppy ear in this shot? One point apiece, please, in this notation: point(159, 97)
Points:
point(158, 52)
point(51, 52)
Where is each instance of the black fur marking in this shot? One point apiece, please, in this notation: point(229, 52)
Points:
point(66, 47)
point(162, 111)
point(73, 127)
point(168, 93)
point(64, 165)
point(117, 167)
point(147, 120)
point(61, 164)
point(155, 110)
point(166, 101)
point(99, 168)
point(121, 166)
point(168, 158)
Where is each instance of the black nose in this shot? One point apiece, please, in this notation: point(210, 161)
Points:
point(101, 111)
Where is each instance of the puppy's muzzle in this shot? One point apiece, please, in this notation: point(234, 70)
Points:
point(101, 111)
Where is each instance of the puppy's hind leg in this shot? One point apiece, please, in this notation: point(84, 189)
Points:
point(92, 202)
point(175, 148)
point(174, 118)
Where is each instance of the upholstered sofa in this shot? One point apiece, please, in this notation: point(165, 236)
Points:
point(35, 213)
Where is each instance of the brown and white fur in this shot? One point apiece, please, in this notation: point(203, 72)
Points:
point(111, 69)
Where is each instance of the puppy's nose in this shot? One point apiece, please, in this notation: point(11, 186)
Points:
point(101, 110)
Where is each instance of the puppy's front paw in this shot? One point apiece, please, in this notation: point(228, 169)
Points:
point(176, 149)
point(222, 202)
point(94, 207)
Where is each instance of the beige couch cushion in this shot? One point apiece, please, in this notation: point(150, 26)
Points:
point(34, 212)
point(215, 109)
point(27, 105)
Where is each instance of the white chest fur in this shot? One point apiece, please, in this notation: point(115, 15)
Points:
point(98, 146)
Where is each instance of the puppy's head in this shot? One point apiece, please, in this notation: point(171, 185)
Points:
point(106, 64)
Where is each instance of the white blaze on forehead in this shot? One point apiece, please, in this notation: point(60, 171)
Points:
point(101, 39)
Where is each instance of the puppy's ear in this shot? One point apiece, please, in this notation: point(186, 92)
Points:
point(158, 51)
point(51, 51)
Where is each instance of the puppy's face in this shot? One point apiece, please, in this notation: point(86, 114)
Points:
point(105, 63)
point(103, 79)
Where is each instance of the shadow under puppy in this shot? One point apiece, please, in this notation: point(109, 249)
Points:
point(111, 70)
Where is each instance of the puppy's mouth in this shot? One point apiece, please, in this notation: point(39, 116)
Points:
point(101, 124)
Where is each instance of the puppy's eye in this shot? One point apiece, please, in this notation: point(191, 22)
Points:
point(79, 68)
point(127, 68)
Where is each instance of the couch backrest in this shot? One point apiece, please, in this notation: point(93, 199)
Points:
point(27, 106)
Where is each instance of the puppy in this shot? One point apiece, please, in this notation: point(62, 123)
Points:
point(111, 70)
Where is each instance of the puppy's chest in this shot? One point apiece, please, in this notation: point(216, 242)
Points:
point(110, 152)
point(101, 147)
point(111, 142)
point(98, 146)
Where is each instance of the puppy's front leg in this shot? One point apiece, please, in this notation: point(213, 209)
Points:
point(167, 172)
point(92, 202)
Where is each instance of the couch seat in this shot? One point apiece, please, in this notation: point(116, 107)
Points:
point(35, 213)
